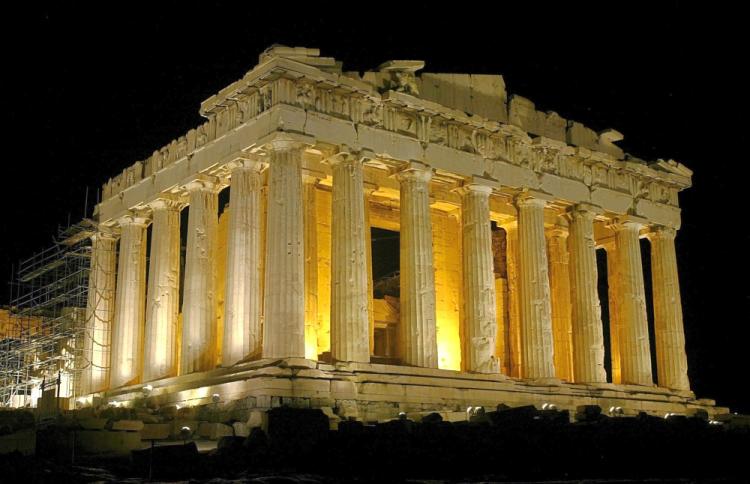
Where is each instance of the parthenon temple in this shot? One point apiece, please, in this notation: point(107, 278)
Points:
point(237, 262)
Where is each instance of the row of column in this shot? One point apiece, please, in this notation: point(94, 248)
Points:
point(145, 346)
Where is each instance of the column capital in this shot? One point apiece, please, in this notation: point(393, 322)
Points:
point(474, 188)
point(661, 232)
point(166, 202)
point(584, 209)
point(529, 198)
point(627, 222)
point(250, 162)
point(136, 217)
point(415, 171)
point(281, 141)
point(202, 183)
point(105, 232)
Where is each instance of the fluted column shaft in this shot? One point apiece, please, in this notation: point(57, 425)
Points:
point(100, 312)
point(243, 302)
point(418, 330)
point(163, 296)
point(368, 257)
point(635, 356)
point(284, 329)
point(534, 292)
point(480, 305)
point(514, 313)
point(350, 322)
point(613, 293)
point(199, 331)
point(130, 304)
point(310, 236)
point(559, 278)
point(588, 334)
point(671, 360)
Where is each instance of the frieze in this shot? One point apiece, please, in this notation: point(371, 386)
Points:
point(423, 120)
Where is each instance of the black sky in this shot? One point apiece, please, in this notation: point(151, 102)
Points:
point(89, 89)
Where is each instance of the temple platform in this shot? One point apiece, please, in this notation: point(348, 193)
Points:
point(377, 392)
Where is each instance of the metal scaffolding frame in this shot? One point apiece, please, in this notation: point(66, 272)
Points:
point(47, 311)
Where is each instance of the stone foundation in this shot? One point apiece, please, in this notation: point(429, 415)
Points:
point(375, 392)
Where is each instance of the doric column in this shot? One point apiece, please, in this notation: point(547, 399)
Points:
point(671, 360)
point(588, 335)
point(284, 329)
point(368, 191)
point(480, 310)
point(163, 296)
point(613, 293)
point(199, 331)
point(100, 312)
point(418, 330)
point(514, 313)
point(130, 303)
point(310, 236)
point(350, 322)
point(243, 302)
point(559, 279)
point(635, 356)
point(534, 293)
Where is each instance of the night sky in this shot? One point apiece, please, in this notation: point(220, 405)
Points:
point(88, 91)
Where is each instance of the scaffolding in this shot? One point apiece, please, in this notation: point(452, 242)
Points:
point(42, 350)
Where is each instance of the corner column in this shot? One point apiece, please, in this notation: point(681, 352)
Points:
point(163, 297)
point(534, 292)
point(671, 360)
point(199, 332)
point(350, 321)
point(100, 312)
point(480, 310)
point(418, 328)
point(284, 329)
point(242, 319)
point(130, 303)
point(588, 333)
point(635, 355)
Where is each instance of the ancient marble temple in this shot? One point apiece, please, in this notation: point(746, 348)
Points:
point(500, 211)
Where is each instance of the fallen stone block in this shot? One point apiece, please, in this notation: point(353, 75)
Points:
point(156, 431)
point(214, 431)
point(93, 423)
point(241, 429)
point(107, 442)
point(127, 425)
point(21, 441)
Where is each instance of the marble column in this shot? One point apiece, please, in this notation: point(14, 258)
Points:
point(514, 313)
point(100, 312)
point(635, 356)
point(588, 334)
point(284, 329)
point(613, 293)
point(130, 303)
point(368, 191)
point(350, 321)
point(199, 331)
point(559, 277)
point(534, 292)
point(310, 236)
point(418, 330)
point(163, 296)
point(671, 360)
point(480, 310)
point(243, 302)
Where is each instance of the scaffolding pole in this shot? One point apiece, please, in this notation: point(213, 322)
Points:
point(48, 321)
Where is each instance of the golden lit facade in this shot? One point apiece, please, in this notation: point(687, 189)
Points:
point(499, 208)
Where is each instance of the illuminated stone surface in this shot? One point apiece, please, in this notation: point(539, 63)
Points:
point(466, 323)
point(127, 332)
point(163, 294)
point(243, 303)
